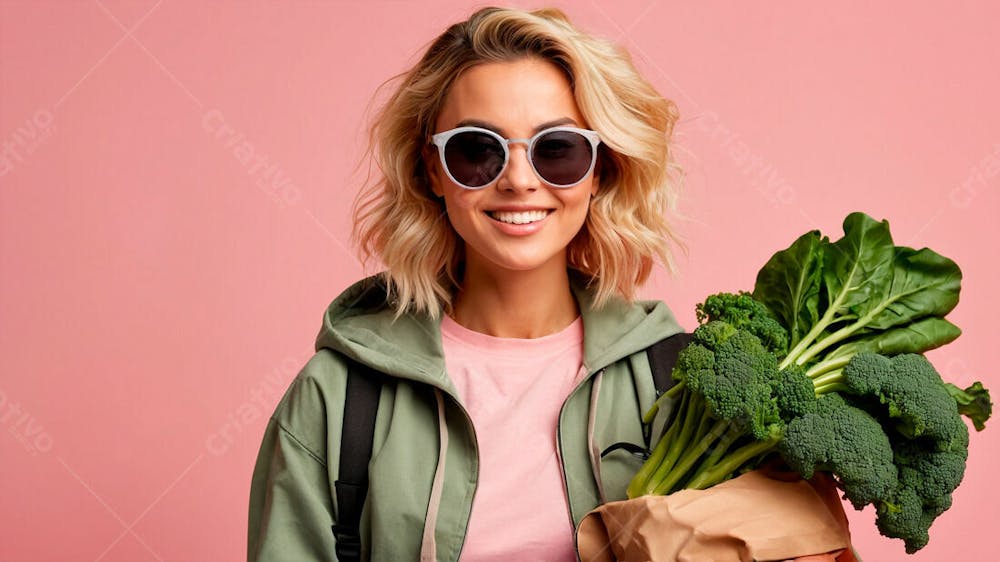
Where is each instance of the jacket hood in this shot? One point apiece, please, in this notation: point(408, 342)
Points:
point(359, 324)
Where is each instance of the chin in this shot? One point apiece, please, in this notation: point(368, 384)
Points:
point(523, 263)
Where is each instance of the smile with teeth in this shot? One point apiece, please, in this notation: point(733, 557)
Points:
point(518, 218)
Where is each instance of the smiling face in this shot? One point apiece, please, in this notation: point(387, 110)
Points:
point(517, 222)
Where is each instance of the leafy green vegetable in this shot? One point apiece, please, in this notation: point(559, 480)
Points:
point(789, 285)
point(857, 288)
point(973, 402)
point(821, 365)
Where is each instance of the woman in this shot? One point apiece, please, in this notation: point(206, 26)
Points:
point(525, 177)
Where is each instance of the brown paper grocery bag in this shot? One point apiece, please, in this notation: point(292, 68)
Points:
point(752, 517)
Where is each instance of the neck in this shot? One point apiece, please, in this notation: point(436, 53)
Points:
point(516, 304)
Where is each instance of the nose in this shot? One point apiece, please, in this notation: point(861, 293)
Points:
point(519, 175)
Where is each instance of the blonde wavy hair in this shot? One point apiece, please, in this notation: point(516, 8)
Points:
point(398, 218)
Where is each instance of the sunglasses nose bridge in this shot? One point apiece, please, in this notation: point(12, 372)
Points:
point(529, 166)
point(510, 142)
point(510, 148)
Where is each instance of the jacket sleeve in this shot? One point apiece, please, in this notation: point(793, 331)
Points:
point(291, 506)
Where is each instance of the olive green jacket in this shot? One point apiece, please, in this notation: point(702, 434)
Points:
point(413, 478)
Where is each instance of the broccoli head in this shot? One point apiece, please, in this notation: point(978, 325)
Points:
point(694, 357)
point(927, 478)
point(933, 474)
point(867, 373)
point(794, 393)
point(743, 312)
point(930, 442)
point(847, 441)
point(911, 391)
point(734, 373)
point(903, 518)
point(712, 334)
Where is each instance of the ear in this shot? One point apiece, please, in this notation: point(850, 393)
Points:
point(433, 166)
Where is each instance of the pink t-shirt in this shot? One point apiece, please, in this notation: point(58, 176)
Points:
point(513, 389)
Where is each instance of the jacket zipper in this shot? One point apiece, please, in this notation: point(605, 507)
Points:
point(559, 446)
point(475, 488)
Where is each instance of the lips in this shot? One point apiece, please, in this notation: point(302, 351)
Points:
point(519, 216)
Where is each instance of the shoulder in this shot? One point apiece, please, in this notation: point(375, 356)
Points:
point(313, 403)
point(619, 328)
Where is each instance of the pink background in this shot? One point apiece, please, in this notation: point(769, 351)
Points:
point(158, 295)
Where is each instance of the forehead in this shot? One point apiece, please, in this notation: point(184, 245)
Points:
point(514, 96)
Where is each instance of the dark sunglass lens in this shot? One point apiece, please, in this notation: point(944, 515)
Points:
point(474, 159)
point(562, 157)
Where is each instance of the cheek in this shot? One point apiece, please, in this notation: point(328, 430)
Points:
point(578, 203)
point(456, 199)
point(460, 200)
point(462, 211)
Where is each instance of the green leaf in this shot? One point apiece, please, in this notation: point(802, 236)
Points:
point(857, 276)
point(973, 402)
point(924, 283)
point(789, 283)
point(917, 337)
point(858, 271)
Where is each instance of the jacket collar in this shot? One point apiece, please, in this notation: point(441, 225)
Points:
point(619, 328)
point(359, 324)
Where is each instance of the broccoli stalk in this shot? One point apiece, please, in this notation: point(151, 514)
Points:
point(687, 438)
point(721, 467)
point(726, 415)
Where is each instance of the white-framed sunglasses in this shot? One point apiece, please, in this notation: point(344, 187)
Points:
point(474, 157)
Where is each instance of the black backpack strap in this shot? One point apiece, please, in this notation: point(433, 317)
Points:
point(662, 358)
point(360, 406)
